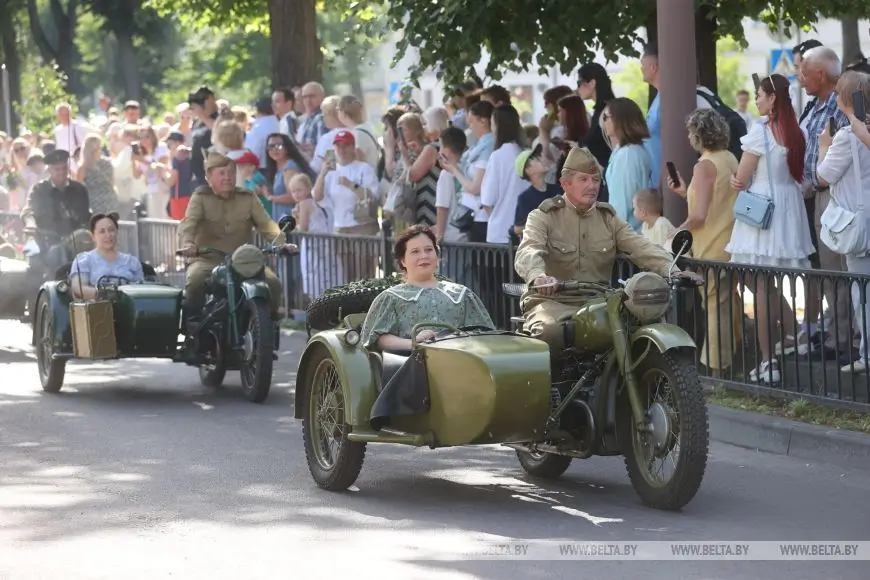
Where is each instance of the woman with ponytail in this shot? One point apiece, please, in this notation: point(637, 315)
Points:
point(773, 166)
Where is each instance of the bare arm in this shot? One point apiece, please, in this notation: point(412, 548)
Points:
point(471, 186)
point(81, 290)
point(423, 164)
point(747, 167)
point(393, 342)
point(319, 185)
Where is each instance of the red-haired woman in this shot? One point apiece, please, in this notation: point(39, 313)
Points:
point(773, 166)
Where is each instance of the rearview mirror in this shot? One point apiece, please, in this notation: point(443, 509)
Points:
point(287, 223)
point(682, 242)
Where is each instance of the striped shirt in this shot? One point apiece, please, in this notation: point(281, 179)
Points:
point(813, 124)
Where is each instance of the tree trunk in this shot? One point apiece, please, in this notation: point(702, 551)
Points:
point(128, 60)
point(851, 40)
point(296, 56)
point(13, 67)
point(705, 47)
point(652, 36)
point(65, 55)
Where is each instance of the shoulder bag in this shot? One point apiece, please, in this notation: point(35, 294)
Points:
point(840, 230)
point(754, 209)
point(461, 217)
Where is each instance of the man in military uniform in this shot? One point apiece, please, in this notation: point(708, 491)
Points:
point(222, 216)
point(575, 237)
point(56, 209)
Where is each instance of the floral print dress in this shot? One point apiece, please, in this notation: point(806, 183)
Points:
point(398, 309)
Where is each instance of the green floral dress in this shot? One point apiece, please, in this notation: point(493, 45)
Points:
point(398, 309)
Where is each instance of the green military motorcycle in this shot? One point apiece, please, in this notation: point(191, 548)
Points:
point(628, 386)
point(144, 320)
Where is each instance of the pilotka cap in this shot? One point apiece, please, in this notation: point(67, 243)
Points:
point(581, 159)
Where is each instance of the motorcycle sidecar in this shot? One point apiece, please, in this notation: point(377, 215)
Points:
point(465, 388)
point(134, 321)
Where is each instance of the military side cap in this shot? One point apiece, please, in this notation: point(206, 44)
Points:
point(216, 159)
point(57, 157)
point(581, 159)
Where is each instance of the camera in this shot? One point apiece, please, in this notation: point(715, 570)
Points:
point(137, 150)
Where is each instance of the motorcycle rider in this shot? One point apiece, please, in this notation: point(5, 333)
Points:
point(222, 216)
point(57, 214)
point(575, 237)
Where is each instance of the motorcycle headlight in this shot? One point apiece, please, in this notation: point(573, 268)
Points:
point(248, 261)
point(648, 297)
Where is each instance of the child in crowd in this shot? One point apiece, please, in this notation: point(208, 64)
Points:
point(319, 268)
point(655, 227)
point(531, 167)
point(252, 179)
point(448, 190)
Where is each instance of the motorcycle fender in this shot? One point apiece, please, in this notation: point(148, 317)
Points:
point(59, 308)
point(664, 336)
point(255, 289)
point(354, 369)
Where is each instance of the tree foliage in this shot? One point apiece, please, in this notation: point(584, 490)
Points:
point(453, 36)
point(43, 86)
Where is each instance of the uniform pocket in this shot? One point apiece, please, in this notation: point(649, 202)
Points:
point(562, 252)
point(605, 247)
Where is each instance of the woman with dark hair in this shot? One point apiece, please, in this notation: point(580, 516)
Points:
point(421, 298)
point(630, 166)
point(776, 144)
point(593, 84)
point(104, 260)
point(283, 162)
point(575, 119)
point(501, 184)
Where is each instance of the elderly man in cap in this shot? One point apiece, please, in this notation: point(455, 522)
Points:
point(575, 237)
point(221, 216)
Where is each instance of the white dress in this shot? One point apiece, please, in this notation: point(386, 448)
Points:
point(787, 242)
point(318, 266)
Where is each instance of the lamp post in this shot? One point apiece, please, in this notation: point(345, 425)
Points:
point(677, 89)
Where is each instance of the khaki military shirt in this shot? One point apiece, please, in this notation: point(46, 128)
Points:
point(225, 223)
point(569, 244)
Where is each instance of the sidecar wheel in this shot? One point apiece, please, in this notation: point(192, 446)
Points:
point(258, 340)
point(543, 465)
point(51, 372)
point(333, 460)
point(680, 439)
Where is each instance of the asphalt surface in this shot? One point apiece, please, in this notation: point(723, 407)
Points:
point(136, 471)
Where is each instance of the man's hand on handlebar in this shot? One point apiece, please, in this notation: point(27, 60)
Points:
point(426, 335)
point(291, 248)
point(693, 277)
point(545, 285)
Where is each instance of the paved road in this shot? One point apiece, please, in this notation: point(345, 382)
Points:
point(136, 471)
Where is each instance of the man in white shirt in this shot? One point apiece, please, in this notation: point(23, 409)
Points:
point(742, 105)
point(69, 134)
point(351, 188)
point(283, 102)
point(132, 112)
point(264, 125)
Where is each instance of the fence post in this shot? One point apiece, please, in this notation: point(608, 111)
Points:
point(387, 247)
point(138, 209)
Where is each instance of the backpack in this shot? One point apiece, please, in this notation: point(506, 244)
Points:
point(735, 122)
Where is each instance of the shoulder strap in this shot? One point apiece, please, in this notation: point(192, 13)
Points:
point(372, 137)
point(770, 179)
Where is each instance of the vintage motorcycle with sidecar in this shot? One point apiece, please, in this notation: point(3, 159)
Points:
point(144, 320)
point(627, 386)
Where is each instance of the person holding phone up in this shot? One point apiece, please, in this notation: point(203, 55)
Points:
point(844, 165)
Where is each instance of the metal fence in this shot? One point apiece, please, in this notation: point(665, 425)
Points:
point(737, 319)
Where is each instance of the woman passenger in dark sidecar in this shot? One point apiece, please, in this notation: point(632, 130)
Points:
point(103, 260)
point(394, 313)
point(420, 299)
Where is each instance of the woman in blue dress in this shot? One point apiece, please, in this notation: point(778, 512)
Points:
point(283, 162)
point(103, 260)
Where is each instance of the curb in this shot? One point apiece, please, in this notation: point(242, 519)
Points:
point(846, 449)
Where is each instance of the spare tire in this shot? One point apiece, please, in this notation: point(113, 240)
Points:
point(329, 309)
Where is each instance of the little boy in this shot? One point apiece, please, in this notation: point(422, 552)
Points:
point(448, 191)
point(655, 227)
point(530, 167)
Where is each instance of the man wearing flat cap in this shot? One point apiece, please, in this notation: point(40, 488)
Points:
point(222, 216)
point(575, 237)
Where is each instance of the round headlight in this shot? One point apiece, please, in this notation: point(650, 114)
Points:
point(351, 337)
point(248, 261)
point(648, 297)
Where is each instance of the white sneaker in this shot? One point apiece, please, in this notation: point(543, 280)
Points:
point(781, 350)
point(767, 372)
point(859, 366)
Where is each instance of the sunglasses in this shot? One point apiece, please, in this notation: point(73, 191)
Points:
point(276, 146)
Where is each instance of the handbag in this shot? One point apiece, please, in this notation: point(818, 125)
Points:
point(754, 209)
point(461, 217)
point(400, 199)
point(844, 231)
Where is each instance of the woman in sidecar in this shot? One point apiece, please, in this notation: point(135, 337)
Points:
point(104, 261)
point(420, 299)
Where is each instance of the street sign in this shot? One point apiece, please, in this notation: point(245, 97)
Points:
point(782, 62)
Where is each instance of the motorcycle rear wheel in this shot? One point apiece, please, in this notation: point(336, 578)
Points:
point(680, 424)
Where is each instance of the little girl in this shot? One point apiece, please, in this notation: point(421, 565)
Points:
point(319, 272)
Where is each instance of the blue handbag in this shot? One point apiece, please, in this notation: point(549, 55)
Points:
point(754, 209)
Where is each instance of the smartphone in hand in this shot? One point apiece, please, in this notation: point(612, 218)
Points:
point(832, 127)
point(859, 106)
point(672, 172)
point(756, 81)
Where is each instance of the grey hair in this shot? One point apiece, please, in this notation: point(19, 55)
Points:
point(825, 58)
point(436, 119)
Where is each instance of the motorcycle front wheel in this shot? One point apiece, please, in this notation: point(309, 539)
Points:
point(666, 461)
